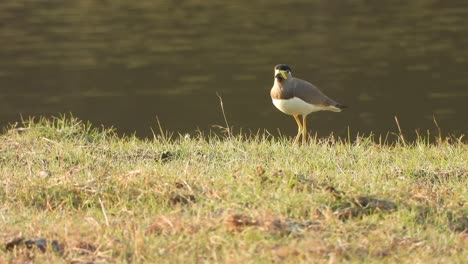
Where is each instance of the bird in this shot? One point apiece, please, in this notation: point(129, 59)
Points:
point(297, 97)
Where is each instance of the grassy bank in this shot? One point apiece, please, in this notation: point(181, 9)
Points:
point(80, 194)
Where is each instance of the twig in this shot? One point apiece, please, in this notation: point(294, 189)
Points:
point(438, 128)
point(399, 129)
point(3, 217)
point(154, 134)
point(228, 128)
point(50, 141)
point(161, 130)
point(104, 211)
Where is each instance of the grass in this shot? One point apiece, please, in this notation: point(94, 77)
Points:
point(73, 194)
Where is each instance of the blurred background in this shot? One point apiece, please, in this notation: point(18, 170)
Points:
point(123, 63)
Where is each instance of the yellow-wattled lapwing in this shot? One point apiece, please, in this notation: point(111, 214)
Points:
point(296, 97)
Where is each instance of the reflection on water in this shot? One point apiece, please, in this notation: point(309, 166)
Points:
point(122, 63)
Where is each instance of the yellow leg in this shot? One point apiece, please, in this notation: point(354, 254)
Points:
point(299, 129)
point(304, 129)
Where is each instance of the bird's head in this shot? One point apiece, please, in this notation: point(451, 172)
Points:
point(282, 72)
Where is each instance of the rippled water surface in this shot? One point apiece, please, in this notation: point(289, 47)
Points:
point(124, 63)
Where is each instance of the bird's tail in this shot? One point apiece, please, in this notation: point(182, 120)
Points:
point(340, 106)
point(336, 107)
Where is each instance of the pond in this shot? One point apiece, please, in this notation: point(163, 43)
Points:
point(128, 63)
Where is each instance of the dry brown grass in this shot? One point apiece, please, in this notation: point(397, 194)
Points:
point(105, 199)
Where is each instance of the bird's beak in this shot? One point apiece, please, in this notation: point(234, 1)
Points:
point(281, 74)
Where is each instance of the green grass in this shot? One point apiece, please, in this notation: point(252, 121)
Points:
point(105, 198)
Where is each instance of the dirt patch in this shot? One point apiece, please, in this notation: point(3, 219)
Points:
point(238, 222)
point(349, 206)
point(269, 224)
point(171, 225)
point(182, 199)
point(458, 224)
point(176, 224)
point(85, 248)
point(41, 244)
point(439, 175)
point(166, 156)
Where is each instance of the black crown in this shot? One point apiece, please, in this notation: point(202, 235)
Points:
point(282, 67)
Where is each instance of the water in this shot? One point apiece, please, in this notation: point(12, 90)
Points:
point(124, 63)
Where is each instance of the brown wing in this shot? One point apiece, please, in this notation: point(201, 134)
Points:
point(310, 94)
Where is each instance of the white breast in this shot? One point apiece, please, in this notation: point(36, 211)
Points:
point(296, 106)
